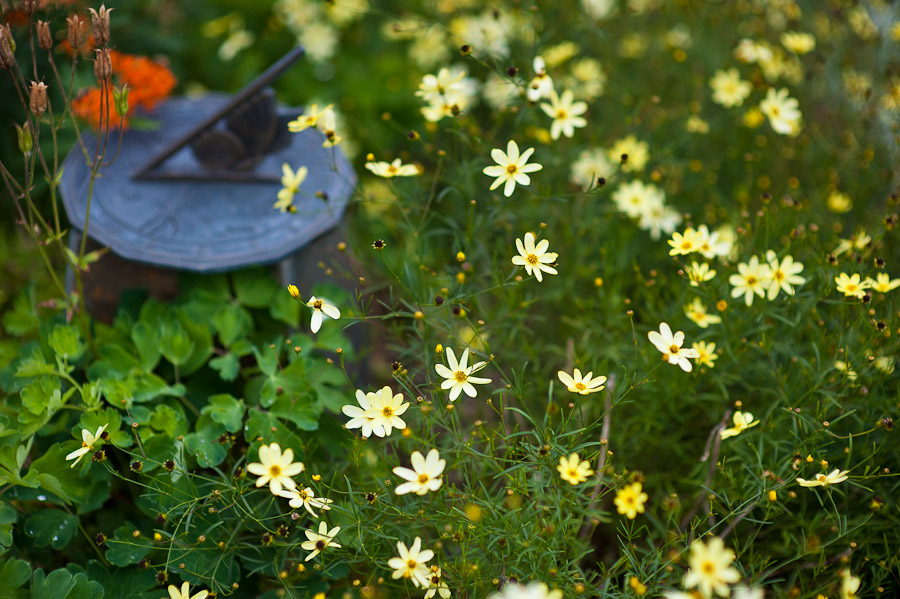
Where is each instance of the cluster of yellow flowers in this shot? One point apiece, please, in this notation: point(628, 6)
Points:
point(291, 180)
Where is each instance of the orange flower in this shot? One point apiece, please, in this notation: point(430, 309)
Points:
point(148, 82)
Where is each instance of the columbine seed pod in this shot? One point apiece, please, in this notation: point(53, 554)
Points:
point(7, 47)
point(102, 65)
point(28, 6)
point(45, 38)
point(37, 98)
point(75, 34)
point(101, 24)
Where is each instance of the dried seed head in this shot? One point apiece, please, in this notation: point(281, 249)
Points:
point(45, 38)
point(7, 47)
point(28, 6)
point(101, 24)
point(103, 65)
point(37, 98)
point(75, 34)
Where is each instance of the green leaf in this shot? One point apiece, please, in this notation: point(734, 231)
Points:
point(118, 392)
point(148, 387)
point(227, 366)
point(57, 477)
point(51, 527)
point(125, 549)
point(285, 309)
point(260, 424)
point(175, 344)
point(7, 521)
point(124, 583)
point(34, 365)
point(66, 342)
point(226, 410)
point(41, 395)
point(168, 420)
point(114, 362)
point(232, 322)
point(13, 574)
point(85, 588)
point(158, 448)
point(267, 359)
point(302, 412)
point(204, 443)
point(146, 338)
point(23, 318)
point(254, 287)
point(55, 585)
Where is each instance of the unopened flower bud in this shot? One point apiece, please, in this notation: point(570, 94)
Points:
point(7, 47)
point(75, 35)
point(101, 24)
point(26, 141)
point(103, 65)
point(37, 98)
point(45, 38)
point(120, 98)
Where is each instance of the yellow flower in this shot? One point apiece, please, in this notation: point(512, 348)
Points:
point(882, 283)
point(859, 242)
point(565, 112)
point(87, 444)
point(696, 311)
point(753, 118)
point(782, 111)
point(823, 480)
point(798, 42)
point(385, 409)
point(411, 563)
point(699, 273)
point(320, 309)
point(849, 585)
point(851, 286)
point(275, 468)
point(630, 500)
point(436, 585)
point(688, 242)
point(751, 278)
point(583, 385)
point(535, 258)
point(459, 376)
point(294, 291)
point(290, 182)
point(573, 469)
point(310, 119)
point(710, 568)
point(670, 345)
point(306, 499)
point(728, 88)
point(393, 169)
point(511, 168)
point(742, 421)
point(425, 475)
point(637, 154)
point(541, 85)
point(639, 588)
point(327, 125)
point(319, 541)
point(784, 274)
point(706, 353)
point(838, 202)
point(185, 592)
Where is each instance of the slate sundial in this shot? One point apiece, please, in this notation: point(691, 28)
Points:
point(196, 194)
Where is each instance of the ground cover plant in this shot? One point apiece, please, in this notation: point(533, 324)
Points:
point(613, 315)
